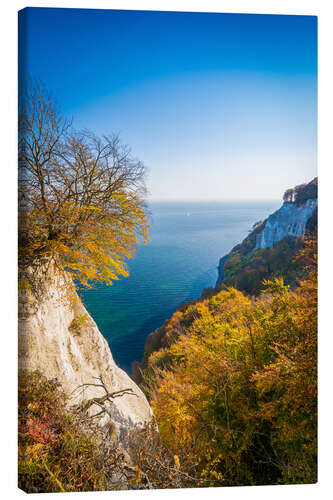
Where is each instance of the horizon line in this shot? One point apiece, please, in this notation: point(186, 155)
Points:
point(213, 200)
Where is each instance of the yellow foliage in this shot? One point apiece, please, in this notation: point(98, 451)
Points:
point(81, 197)
point(237, 388)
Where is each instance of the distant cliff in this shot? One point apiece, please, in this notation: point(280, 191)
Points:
point(289, 220)
point(58, 338)
point(272, 242)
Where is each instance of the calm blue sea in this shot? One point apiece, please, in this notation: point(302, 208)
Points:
point(187, 240)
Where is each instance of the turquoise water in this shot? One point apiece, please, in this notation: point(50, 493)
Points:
point(186, 242)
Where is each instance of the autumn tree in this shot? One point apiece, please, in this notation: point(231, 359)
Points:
point(288, 196)
point(81, 197)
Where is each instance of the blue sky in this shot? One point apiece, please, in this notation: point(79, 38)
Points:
point(218, 106)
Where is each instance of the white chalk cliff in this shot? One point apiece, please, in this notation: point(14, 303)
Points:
point(58, 337)
point(289, 220)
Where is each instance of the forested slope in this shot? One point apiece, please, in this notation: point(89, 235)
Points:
point(234, 387)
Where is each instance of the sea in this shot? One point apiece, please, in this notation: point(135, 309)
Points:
point(187, 239)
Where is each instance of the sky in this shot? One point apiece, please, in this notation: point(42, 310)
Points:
point(217, 106)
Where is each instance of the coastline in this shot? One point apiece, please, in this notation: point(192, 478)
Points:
point(220, 269)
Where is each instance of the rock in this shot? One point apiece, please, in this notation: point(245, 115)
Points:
point(289, 220)
point(59, 338)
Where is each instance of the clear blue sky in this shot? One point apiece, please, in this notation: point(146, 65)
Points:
point(218, 106)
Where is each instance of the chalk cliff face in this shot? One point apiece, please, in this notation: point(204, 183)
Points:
point(289, 220)
point(297, 215)
point(59, 338)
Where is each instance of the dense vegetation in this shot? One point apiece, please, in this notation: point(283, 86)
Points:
point(235, 388)
point(62, 449)
point(301, 193)
point(246, 272)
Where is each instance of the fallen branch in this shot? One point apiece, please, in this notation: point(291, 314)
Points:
point(100, 401)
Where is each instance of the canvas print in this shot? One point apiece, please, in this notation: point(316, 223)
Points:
point(167, 250)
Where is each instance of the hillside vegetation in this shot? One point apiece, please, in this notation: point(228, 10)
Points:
point(246, 272)
point(235, 388)
point(63, 449)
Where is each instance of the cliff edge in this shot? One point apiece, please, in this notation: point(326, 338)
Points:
point(59, 338)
